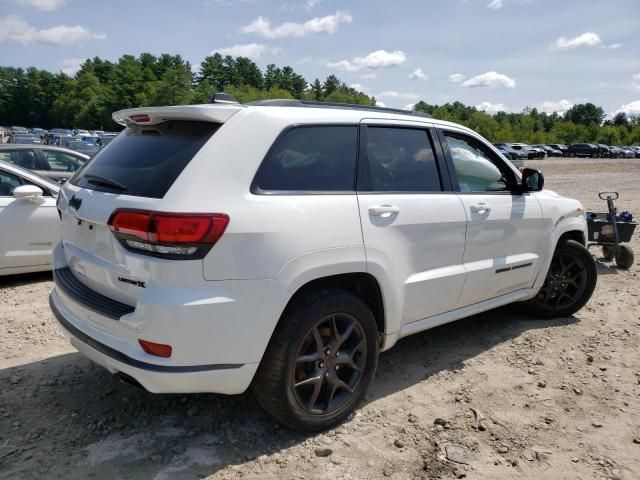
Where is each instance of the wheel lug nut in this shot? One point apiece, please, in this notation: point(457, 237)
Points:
point(337, 354)
point(327, 352)
point(337, 367)
point(326, 374)
point(321, 364)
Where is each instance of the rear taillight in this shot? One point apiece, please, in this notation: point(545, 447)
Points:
point(183, 236)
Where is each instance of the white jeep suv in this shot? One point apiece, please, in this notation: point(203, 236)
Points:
point(283, 245)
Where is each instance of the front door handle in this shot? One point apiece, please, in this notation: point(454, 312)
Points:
point(383, 211)
point(480, 208)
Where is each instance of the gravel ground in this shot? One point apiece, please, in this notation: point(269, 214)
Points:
point(498, 395)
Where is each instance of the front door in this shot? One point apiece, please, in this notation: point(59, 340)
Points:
point(412, 223)
point(504, 237)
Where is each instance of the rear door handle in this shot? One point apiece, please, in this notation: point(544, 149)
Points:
point(383, 211)
point(480, 207)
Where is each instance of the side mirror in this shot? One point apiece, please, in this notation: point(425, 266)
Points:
point(27, 191)
point(532, 180)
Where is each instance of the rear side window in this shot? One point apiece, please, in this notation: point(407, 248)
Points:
point(61, 162)
point(311, 158)
point(21, 158)
point(400, 160)
point(144, 161)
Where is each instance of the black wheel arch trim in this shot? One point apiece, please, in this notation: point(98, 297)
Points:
point(132, 362)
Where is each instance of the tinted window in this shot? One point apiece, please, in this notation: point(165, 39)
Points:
point(21, 158)
point(144, 161)
point(401, 160)
point(314, 158)
point(8, 182)
point(61, 162)
point(474, 167)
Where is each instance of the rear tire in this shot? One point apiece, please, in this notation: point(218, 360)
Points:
point(569, 284)
point(320, 361)
point(624, 257)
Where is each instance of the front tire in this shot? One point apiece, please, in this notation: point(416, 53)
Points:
point(320, 361)
point(569, 284)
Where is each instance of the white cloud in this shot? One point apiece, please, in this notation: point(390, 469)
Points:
point(369, 75)
point(373, 61)
point(588, 39)
point(250, 50)
point(409, 106)
point(631, 108)
point(495, 4)
point(635, 81)
point(13, 29)
point(380, 104)
point(492, 107)
point(490, 80)
point(44, 5)
point(456, 78)
point(614, 46)
point(316, 26)
point(560, 106)
point(358, 86)
point(406, 96)
point(311, 4)
point(70, 66)
point(418, 74)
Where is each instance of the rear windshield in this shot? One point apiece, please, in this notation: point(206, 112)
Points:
point(144, 161)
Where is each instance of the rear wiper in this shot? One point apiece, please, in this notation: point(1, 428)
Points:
point(105, 182)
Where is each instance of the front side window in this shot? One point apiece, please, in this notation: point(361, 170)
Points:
point(61, 162)
point(311, 158)
point(400, 160)
point(474, 167)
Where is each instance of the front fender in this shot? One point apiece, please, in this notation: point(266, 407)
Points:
point(571, 222)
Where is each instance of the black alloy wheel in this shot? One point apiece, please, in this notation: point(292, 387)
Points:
point(569, 284)
point(329, 364)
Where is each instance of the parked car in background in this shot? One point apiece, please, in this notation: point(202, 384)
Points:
point(550, 152)
point(614, 152)
point(636, 149)
point(266, 284)
point(30, 223)
point(603, 150)
point(560, 147)
point(18, 130)
point(626, 152)
point(25, 139)
point(89, 149)
point(583, 150)
point(106, 138)
point(513, 153)
point(54, 163)
point(531, 152)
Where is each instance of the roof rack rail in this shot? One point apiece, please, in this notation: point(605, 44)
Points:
point(353, 106)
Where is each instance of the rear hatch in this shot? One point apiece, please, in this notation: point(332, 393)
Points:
point(109, 207)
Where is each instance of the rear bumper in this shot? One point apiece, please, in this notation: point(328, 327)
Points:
point(156, 378)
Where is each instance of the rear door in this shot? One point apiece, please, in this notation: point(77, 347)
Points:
point(504, 237)
point(30, 227)
point(413, 224)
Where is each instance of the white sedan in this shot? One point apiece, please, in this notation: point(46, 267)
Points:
point(29, 222)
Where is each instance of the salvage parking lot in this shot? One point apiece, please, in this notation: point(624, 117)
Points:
point(493, 396)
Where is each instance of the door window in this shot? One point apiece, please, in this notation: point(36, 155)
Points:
point(61, 162)
point(311, 158)
point(400, 160)
point(476, 168)
point(8, 182)
point(21, 158)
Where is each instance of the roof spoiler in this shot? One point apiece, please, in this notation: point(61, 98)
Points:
point(219, 112)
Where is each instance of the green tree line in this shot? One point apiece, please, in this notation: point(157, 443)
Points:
point(39, 98)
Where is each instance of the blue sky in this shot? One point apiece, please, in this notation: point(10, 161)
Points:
point(495, 54)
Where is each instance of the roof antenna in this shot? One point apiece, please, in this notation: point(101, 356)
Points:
point(221, 97)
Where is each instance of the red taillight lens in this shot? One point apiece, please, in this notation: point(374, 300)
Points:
point(157, 349)
point(140, 118)
point(168, 235)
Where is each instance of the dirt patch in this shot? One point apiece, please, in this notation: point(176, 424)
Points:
point(498, 395)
